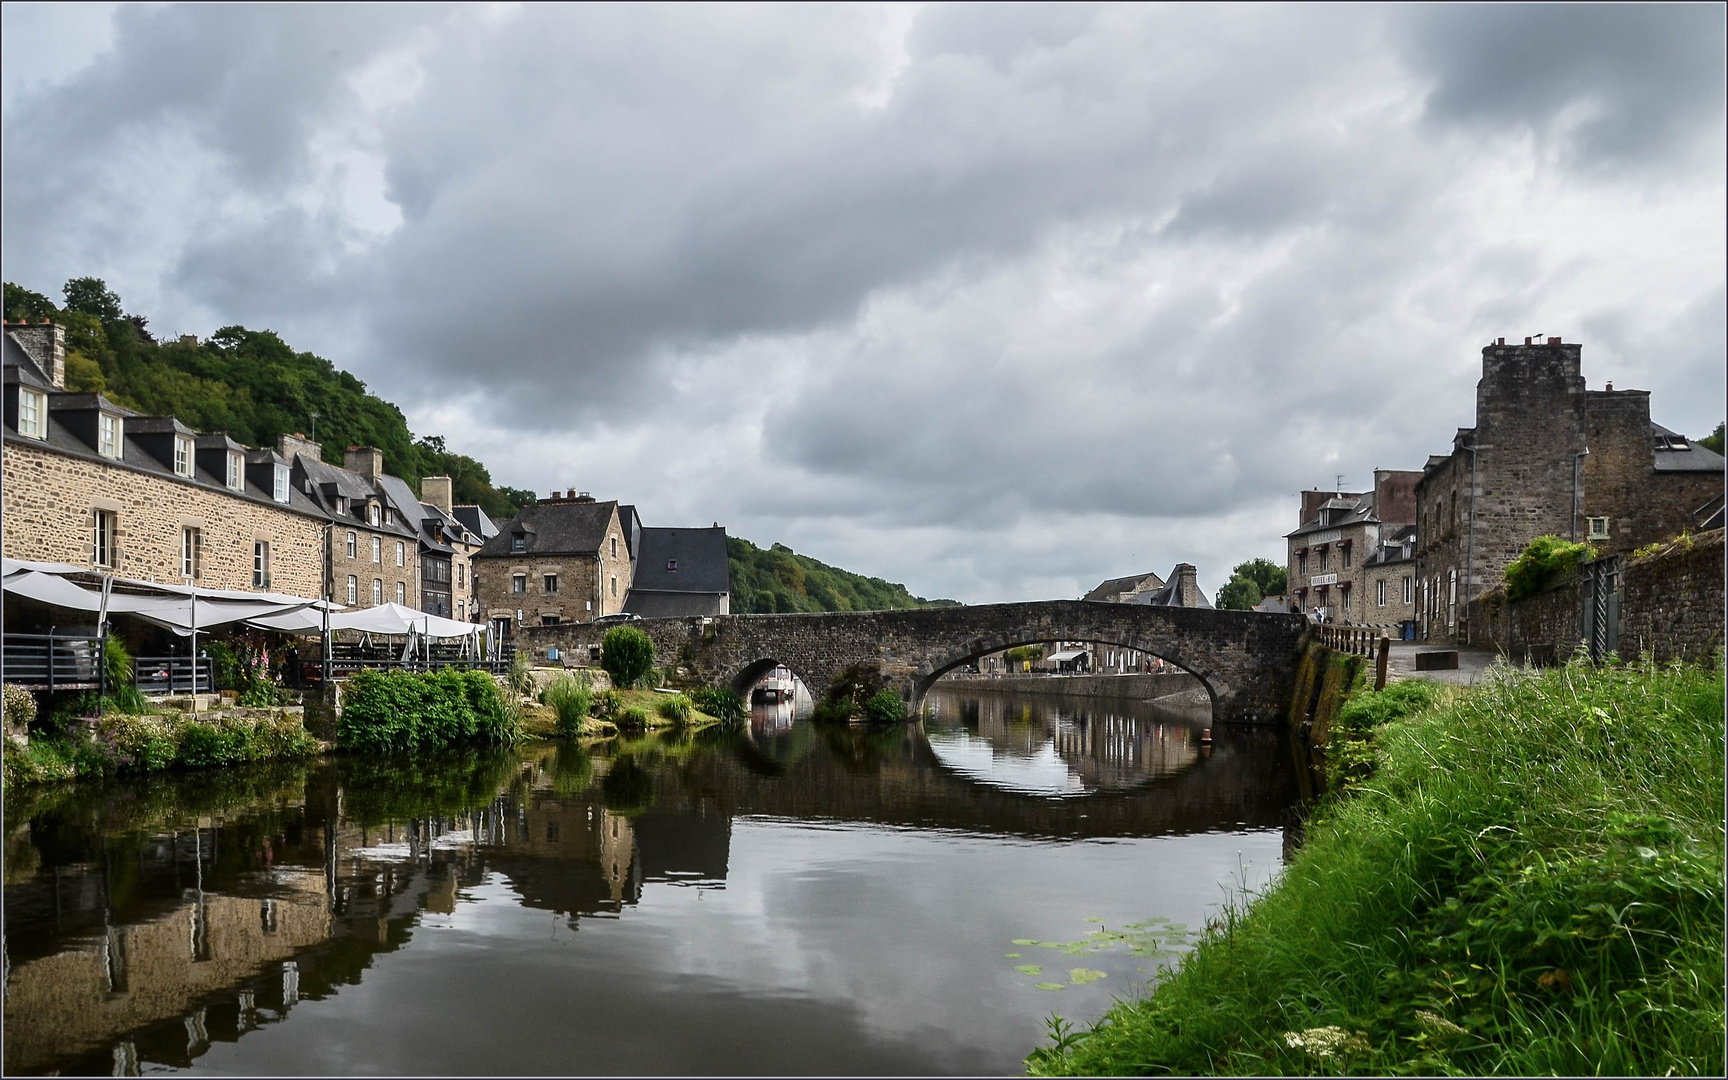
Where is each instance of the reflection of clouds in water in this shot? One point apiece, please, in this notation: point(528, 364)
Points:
point(1040, 772)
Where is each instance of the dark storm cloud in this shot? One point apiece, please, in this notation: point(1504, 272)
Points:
point(901, 282)
point(1644, 75)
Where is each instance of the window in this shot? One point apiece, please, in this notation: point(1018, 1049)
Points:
point(1302, 561)
point(182, 456)
point(107, 435)
point(353, 545)
point(1344, 557)
point(672, 565)
point(260, 564)
point(1451, 597)
point(519, 542)
point(460, 606)
point(378, 550)
point(191, 552)
point(461, 573)
point(341, 504)
point(234, 476)
point(280, 494)
point(401, 593)
point(401, 553)
point(550, 581)
point(353, 590)
point(1380, 593)
point(371, 513)
point(32, 414)
point(519, 584)
point(548, 620)
point(102, 548)
point(1598, 528)
point(614, 547)
point(614, 584)
point(1325, 557)
point(377, 591)
point(1407, 590)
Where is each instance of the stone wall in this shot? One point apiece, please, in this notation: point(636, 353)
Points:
point(574, 600)
point(50, 496)
point(1671, 607)
point(1246, 659)
point(1671, 604)
point(365, 570)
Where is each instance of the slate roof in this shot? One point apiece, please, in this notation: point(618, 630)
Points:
point(556, 528)
point(1677, 453)
point(476, 521)
point(21, 367)
point(675, 605)
point(1337, 513)
point(1171, 596)
point(1107, 591)
point(682, 561)
point(1394, 543)
point(331, 482)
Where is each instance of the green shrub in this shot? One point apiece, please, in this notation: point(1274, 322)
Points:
point(631, 716)
point(568, 697)
point(1546, 562)
point(606, 703)
point(521, 677)
point(885, 707)
point(408, 712)
point(1350, 744)
point(720, 703)
point(652, 679)
point(675, 708)
point(626, 653)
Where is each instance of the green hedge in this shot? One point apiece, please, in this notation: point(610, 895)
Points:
point(123, 744)
point(406, 712)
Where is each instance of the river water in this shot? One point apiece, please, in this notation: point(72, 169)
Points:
point(798, 899)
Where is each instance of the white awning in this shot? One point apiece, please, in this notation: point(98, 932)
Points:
point(179, 608)
point(8, 567)
point(1064, 657)
point(398, 619)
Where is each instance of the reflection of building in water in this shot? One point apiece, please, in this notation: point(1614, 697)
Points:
point(1107, 749)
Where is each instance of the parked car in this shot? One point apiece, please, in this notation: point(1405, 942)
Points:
point(621, 617)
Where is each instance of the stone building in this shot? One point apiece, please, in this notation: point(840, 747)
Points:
point(1547, 456)
point(561, 560)
point(93, 484)
point(677, 572)
point(1124, 590)
point(447, 550)
point(1343, 561)
point(374, 540)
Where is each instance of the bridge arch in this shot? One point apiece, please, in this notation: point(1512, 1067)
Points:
point(925, 679)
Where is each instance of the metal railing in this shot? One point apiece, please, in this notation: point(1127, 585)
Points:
point(55, 661)
point(346, 660)
point(173, 675)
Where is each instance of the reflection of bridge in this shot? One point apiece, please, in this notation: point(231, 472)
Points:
point(1247, 660)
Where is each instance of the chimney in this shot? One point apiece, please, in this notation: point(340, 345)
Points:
point(46, 344)
point(1610, 388)
point(1187, 585)
point(436, 490)
point(298, 445)
point(368, 461)
point(1553, 341)
point(1527, 341)
point(1502, 341)
point(582, 496)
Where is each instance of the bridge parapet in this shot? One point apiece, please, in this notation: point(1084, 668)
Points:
point(1246, 660)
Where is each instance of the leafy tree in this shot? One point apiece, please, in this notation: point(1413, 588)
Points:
point(1712, 441)
point(1267, 576)
point(1239, 594)
point(626, 654)
point(23, 304)
point(781, 580)
point(92, 296)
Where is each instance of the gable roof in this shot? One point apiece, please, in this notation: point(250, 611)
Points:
point(556, 528)
point(21, 366)
point(682, 560)
point(476, 520)
point(1114, 589)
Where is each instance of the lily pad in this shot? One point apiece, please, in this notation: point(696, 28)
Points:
point(1024, 941)
point(1082, 976)
point(1050, 986)
point(1013, 956)
point(1029, 969)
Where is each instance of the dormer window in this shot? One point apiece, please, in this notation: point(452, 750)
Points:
point(280, 494)
point(107, 435)
point(372, 513)
point(672, 564)
point(236, 478)
point(182, 456)
point(32, 414)
point(341, 504)
point(519, 542)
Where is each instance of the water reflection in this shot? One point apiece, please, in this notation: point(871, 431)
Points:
point(1063, 747)
point(744, 880)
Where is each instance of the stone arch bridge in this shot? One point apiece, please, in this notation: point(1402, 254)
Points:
point(1246, 660)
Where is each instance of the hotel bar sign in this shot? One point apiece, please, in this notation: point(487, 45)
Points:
point(1323, 579)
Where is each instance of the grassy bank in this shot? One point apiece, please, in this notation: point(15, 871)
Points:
point(121, 744)
point(1527, 878)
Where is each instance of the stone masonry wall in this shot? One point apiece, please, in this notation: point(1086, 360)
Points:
point(494, 599)
point(365, 570)
point(50, 496)
point(1671, 607)
point(1245, 659)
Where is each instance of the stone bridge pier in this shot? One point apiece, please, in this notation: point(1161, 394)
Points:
point(1246, 660)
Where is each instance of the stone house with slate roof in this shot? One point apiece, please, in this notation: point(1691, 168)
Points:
point(564, 559)
point(1124, 590)
point(680, 572)
point(1345, 558)
point(1547, 455)
point(93, 484)
point(374, 540)
point(447, 550)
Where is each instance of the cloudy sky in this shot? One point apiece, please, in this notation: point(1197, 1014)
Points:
point(997, 302)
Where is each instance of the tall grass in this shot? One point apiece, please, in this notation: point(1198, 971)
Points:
point(569, 698)
point(1529, 880)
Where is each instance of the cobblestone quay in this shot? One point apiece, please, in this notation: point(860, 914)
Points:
point(1245, 659)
